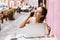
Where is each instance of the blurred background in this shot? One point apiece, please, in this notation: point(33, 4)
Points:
point(53, 7)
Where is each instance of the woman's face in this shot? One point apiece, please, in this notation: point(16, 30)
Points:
point(38, 13)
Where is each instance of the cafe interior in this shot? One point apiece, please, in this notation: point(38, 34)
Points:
point(29, 20)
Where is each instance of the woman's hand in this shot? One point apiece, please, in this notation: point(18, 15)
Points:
point(48, 29)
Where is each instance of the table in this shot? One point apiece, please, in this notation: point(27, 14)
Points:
point(30, 33)
point(38, 39)
point(46, 38)
point(24, 9)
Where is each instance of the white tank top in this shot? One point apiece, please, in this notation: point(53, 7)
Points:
point(32, 20)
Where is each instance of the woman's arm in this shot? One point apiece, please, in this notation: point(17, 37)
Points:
point(28, 21)
point(24, 23)
point(48, 29)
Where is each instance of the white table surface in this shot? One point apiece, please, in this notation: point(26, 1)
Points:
point(18, 38)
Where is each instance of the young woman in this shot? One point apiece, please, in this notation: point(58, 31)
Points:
point(38, 17)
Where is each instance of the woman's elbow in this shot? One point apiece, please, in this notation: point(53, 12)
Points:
point(22, 25)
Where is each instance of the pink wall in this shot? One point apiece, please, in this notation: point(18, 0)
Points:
point(53, 17)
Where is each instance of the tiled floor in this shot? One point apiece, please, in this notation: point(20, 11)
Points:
point(12, 26)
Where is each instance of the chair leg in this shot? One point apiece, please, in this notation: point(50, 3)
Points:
point(2, 21)
point(6, 18)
